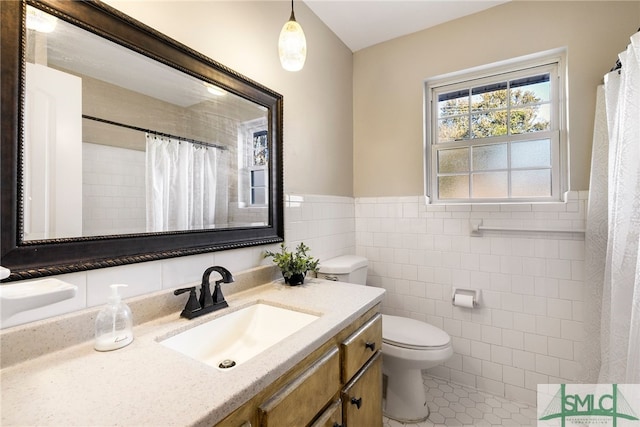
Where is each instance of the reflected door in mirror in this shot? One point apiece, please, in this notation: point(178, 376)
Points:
point(53, 154)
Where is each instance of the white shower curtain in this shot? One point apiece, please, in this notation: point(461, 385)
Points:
point(181, 185)
point(613, 226)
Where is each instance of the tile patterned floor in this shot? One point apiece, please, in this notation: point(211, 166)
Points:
point(456, 405)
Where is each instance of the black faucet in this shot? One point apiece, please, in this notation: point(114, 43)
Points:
point(217, 299)
point(207, 302)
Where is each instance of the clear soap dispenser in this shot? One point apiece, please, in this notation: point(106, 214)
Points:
point(114, 324)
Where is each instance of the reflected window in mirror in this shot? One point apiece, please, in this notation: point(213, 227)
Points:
point(259, 183)
point(253, 177)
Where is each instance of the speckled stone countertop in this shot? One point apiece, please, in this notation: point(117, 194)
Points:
point(147, 384)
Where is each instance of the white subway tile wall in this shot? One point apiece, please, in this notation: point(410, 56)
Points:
point(113, 186)
point(324, 223)
point(529, 326)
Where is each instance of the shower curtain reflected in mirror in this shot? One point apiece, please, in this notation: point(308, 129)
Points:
point(181, 184)
point(612, 259)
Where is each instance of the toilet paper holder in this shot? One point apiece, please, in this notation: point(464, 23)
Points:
point(473, 293)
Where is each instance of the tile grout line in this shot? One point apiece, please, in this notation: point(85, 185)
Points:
point(457, 405)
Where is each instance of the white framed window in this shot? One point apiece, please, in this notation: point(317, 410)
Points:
point(253, 161)
point(498, 134)
point(258, 171)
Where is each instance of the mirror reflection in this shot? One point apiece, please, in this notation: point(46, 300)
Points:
point(118, 143)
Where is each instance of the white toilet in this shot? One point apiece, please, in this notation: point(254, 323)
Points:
point(408, 346)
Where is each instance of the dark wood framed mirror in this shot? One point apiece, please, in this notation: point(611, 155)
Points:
point(123, 86)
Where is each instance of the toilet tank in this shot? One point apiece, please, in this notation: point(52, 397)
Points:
point(346, 268)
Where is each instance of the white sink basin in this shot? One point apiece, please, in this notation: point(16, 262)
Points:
point(238, 336)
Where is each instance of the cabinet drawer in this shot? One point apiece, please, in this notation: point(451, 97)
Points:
point(244, 416)
point(360, 346)
point(362, 397)
point(298, 402)
point(331, 417)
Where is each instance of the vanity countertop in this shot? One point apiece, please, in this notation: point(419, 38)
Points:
point(147, 384)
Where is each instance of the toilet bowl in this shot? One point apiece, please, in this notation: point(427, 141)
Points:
point(408, 347)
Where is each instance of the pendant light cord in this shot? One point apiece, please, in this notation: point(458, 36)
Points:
point(293, 16)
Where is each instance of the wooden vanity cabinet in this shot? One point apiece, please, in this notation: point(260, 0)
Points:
point(331, 417)
point(318, 391)
point(362, 397)
point(303, 398)
point(362, 375)
point(360, 346)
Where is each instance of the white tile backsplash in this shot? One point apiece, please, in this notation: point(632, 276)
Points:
point(140, 279)
point(326, 224)
point(186, 270)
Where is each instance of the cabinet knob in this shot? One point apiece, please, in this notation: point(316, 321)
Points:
point(370, 345)
point(337, 425)
point(246, 424)
point(357, 402)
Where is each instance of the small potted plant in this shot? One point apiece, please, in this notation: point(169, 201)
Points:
point(294, 265)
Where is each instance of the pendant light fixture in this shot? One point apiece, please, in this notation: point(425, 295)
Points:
point(292, 45)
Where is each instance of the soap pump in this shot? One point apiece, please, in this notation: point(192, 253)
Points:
point(114, 324)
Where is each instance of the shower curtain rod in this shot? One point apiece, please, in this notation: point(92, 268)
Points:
point(180, 138)
point(618, 65)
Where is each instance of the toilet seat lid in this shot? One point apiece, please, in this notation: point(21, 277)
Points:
point(344, 264)
point(411, 333)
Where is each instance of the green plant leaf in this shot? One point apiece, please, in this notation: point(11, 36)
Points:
point(290, 263)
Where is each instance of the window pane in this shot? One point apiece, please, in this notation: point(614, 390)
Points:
point(531, 154)
point(258, 196)
point(494, 134)
point(453, 187)
point(453, 129)
point(453, 161)
point(490, 185)
point(489, 97)
point(489, 124)
point(260, 148)
point(535, 118)
point(530, 90)
point(488, 157)
point(257, 178)
point(453, 103)
point(533, 183)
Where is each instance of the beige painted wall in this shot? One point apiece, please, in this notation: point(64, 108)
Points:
point(388, 80)
point(243, 35)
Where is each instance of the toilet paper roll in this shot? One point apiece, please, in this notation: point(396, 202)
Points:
point(461, 300)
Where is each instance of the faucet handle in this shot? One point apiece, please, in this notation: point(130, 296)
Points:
point(192, 302)
point(218, 298)
point(183, 290)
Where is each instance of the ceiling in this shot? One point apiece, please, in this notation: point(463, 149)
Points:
point(83, 53)
point(363, 23)
point(358, 23)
